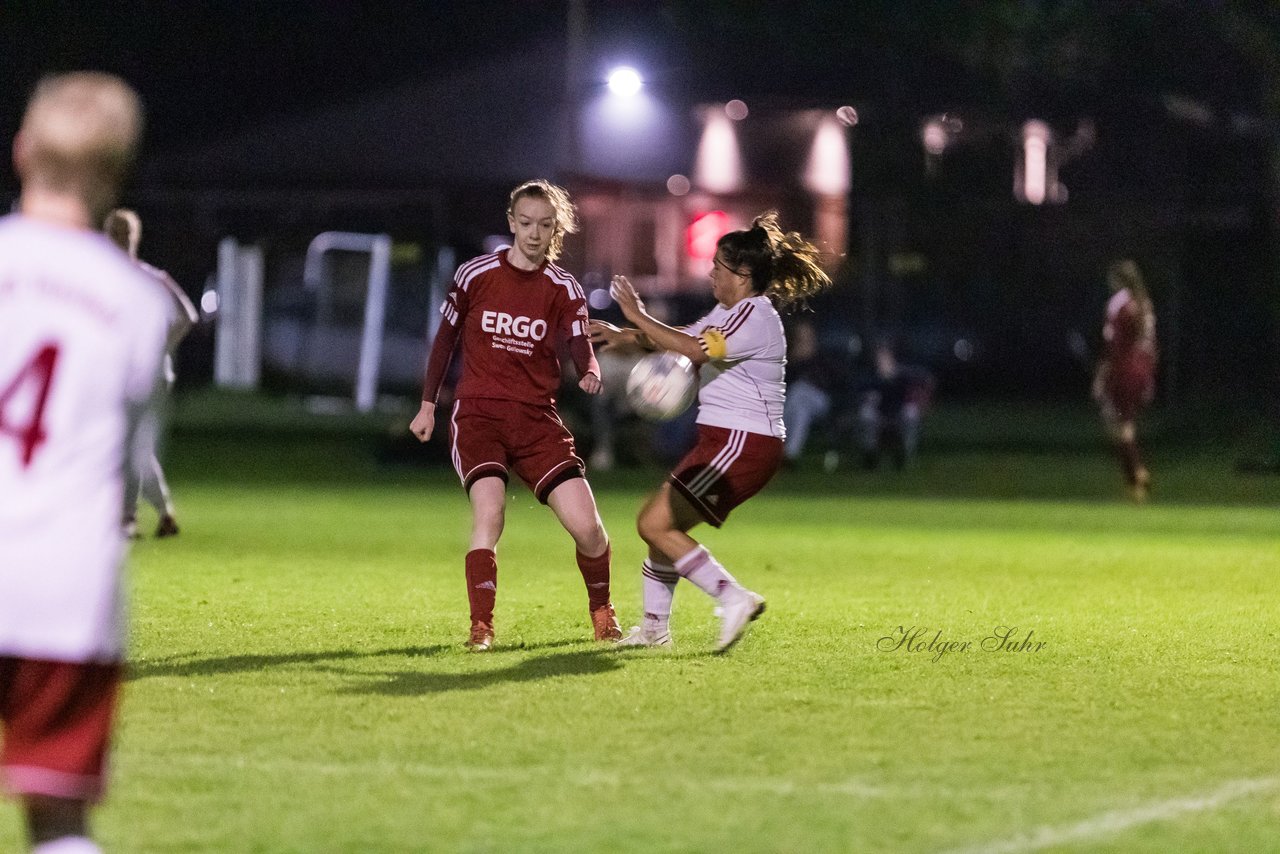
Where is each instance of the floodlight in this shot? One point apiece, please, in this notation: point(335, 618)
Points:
point(625, 81)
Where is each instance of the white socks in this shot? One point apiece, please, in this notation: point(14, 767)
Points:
point(706, 572)
point(68, 845)
point(659, 583)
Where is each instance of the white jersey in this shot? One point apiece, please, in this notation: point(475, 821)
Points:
point(184, 316)
point(743, 386)
point(82, 333)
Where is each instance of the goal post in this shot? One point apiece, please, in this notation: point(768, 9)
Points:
point(317, 278)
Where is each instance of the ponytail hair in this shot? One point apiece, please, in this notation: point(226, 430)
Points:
point(783, 265)
point(1125, 274)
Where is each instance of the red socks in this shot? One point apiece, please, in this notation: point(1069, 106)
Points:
point(595, 574)
point(482, 581)
point(482, 584)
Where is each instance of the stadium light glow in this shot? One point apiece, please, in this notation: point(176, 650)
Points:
point(933, 135)
point(718, 167)
point(828, 171)
point(625, 81)
point(1035, 162)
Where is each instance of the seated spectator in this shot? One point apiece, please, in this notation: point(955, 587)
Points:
point(808, 397)
point(892, 401)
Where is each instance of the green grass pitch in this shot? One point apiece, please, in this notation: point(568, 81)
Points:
point(299, 684)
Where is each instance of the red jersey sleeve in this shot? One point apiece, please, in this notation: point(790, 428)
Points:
point(452, 312)
point(573, 329)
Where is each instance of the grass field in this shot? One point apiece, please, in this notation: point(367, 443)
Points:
point(299, 683)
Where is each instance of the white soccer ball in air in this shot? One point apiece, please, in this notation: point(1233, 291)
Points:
point(662, 385)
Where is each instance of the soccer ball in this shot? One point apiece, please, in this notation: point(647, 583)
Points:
point(662, 385)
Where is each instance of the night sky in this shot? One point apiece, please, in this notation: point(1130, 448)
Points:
point(1185, 95)
point(206, 69)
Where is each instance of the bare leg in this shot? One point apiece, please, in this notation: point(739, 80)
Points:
point(664, 523)
point(1124, 438)
point(488, 512)
point(575, 507)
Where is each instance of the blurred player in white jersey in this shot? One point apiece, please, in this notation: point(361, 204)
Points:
point(125, 230)
point(740, 424)
point(82, 333)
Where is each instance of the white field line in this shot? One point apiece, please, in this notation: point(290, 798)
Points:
point(587, 778)
point(1107, 823)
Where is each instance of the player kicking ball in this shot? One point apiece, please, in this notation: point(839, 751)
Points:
point(507, 314)
point(740, 427)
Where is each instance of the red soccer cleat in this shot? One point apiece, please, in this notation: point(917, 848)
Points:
point(481, 636)
point(605, 622)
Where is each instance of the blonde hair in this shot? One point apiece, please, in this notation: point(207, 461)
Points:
point(1126, 275)
point(79, 135)
point(783, 264)
point(125, 230)
point(558, 197)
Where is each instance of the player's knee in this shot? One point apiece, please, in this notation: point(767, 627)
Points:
point(489, 519)
point(651, 526)
point(593, 540)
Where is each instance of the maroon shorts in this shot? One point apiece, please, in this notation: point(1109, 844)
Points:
point(724, 469)
point(57, 723)
point(488, 437)
point(1131, 385)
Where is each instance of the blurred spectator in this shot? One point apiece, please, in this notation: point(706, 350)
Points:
point(891, 403)
point(808, 396)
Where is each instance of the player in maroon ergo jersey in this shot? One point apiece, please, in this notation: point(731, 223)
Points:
point(507, 314)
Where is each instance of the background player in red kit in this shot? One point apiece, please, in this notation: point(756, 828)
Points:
point(740, 415)
point(507, 314)
point(82, 333)
point(1125, 382)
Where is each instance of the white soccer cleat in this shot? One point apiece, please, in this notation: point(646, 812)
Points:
point(646, 637)
point(737, 610)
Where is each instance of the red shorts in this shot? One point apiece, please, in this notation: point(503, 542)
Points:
point(1131, 385)
point(488, 437)
point(724, 469)
point(57, 723)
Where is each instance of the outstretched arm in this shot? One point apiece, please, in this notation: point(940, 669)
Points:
point(657, 333)
point(606, 336)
